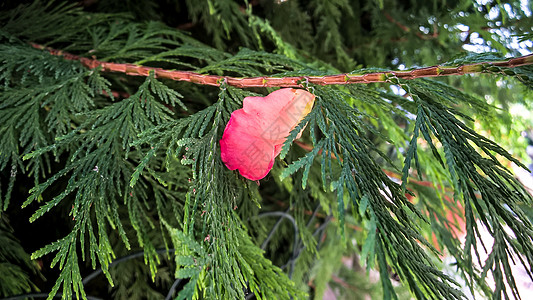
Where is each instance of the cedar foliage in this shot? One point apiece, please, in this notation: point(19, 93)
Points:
point(113, 167)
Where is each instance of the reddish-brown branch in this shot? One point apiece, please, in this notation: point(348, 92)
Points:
point(295, 81)
point(309, 148)
point(407, 29)
point(344, 283)
point(400, 25)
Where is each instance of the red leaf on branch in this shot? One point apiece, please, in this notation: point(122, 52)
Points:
point(255, 133)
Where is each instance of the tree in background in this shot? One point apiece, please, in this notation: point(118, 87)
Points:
point(109, 152)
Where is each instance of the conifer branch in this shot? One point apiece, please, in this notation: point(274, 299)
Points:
point(135, 171)
point(296, 81)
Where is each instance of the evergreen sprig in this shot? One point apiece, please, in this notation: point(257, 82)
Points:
point(136, 161)
point(499, 192)
point(97, 171)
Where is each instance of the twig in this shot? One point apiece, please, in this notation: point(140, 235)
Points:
point(309, 213)
point(309, 148)
point(125, 258)
point(407, 29)
point(272, 231)
point(173, 289)
point(92, 276)
point(344, 283)
point(296, 231)
point(42, 295)
point(293, 81)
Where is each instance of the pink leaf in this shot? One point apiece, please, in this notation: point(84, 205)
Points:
point(255, 133)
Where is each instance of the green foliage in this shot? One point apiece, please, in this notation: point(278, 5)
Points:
point(500, 193)
point(134, 163)
point(15, 263)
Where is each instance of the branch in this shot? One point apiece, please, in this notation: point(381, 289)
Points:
point(41, 295)
point(125, 258)
point(407, 29)
point(295, 81)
